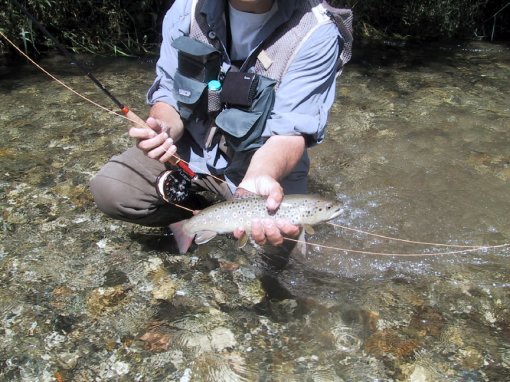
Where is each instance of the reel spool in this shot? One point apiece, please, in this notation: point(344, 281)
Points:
point(173, 186)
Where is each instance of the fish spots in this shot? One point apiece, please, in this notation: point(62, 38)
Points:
point(227, 216)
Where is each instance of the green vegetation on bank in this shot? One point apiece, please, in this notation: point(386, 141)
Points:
point(125, 27)
point(112, 26)
point(433, 19)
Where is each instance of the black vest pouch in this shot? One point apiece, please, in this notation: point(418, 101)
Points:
point(198, 63)
point(243, 125)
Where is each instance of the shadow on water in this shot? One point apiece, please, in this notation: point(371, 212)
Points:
point(417, 148)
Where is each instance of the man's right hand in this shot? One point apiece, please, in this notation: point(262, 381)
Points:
point(166, 128)
point(154, 142)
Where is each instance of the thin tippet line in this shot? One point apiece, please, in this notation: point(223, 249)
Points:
point(401, 254)
point(403, 240)
point(184, 208)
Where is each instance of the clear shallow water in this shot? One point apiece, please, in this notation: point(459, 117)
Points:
point(418, 148)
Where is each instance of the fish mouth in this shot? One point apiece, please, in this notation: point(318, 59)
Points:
point(336, 213)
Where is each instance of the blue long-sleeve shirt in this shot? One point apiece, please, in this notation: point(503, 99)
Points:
point(306, 92)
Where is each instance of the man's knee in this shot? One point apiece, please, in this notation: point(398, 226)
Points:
point(133, 203)
point(108, 196)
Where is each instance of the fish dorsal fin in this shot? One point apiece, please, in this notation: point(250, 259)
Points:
point(309, 229)
point(204, 236)
point(242, 193)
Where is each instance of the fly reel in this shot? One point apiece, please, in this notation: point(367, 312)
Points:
point(173, 186)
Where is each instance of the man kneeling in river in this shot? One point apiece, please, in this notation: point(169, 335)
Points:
point(243, 88)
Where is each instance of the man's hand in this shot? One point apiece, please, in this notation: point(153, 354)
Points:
point(166, 128)
point(267, 230)
point(263, 185)
point(274, 160)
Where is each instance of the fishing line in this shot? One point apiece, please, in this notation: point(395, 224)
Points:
point(104, 108)
point(400, 254)
point(402, 240)
point(184, 208)
point(69, 56)
point(62, 82)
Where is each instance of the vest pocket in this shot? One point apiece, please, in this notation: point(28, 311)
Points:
point(197, 64)
point(243, 127)
point(187, 92)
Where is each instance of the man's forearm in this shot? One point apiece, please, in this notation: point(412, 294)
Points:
point(277, 157)
point(272, 162)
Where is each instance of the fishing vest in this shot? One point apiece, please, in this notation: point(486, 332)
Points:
point(276, 53)
point(236, 126)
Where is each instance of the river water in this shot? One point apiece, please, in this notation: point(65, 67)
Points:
point(418, 148)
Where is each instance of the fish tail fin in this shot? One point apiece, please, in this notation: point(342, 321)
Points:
point(182, 239)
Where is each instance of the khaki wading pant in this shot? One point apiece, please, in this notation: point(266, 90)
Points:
point(124, 189)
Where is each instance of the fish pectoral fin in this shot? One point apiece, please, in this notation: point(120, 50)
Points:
point(309, 229)
point(242, 241)
point(204, 236)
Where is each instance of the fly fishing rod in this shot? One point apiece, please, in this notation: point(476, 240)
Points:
point(185, 173)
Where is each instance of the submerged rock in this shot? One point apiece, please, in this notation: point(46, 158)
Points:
point(164, 287)
point(390, 342)
point(102, 300)
point(68, 360)
point(222, 339)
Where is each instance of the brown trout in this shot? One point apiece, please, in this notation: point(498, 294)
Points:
point(303, 210)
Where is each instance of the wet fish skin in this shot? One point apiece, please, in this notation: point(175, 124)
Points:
point(227, 216)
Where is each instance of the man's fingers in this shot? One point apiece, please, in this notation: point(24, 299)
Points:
point(266, 231)
point(164, 151)
point(288, 229)
point(152, 143)
point(170, 150)
point(272, 232)
point(257, 232)
point(156, 125)
point(156, 146)
point(274, 198)
point(152, 122)
point(141, 133)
